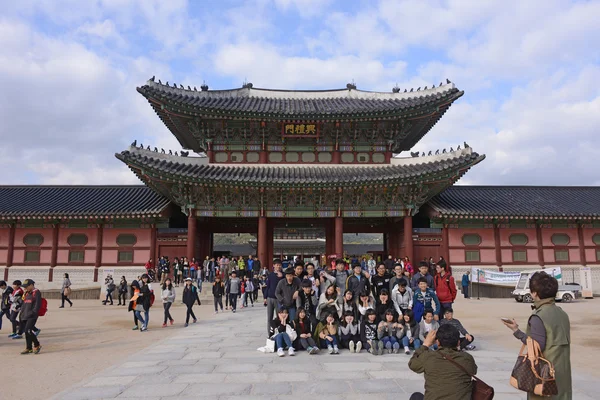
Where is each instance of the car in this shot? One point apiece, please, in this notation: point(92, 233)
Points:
point(566, 293)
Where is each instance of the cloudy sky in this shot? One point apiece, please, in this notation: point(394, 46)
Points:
point(530, 71)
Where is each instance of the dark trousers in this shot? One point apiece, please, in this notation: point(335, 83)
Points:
point(189, 313)
point(30, 338)
point(255, 294)
point(346, 339)
point(466, 291)
point(123, 296)
point(14, 321)
point(464, 342)
point(443, 308)
point(63, 299)
point(108, 297)
point(218, 300)
point(167, 307)
point(2, 315)
point(233, 300)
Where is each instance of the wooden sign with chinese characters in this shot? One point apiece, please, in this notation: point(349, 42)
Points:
point(291, 129)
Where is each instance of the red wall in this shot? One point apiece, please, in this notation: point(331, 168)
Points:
point(487, 247)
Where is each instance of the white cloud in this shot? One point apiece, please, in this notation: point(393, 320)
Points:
point(264, 66)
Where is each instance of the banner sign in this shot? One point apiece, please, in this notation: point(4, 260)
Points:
point(494, 277)
point(586, 282)
point(508, 278)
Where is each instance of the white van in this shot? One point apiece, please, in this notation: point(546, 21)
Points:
point(565, 293)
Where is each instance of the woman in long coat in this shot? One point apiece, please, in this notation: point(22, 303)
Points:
point(549, 325)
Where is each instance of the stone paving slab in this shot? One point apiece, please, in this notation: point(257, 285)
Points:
point(217, 359)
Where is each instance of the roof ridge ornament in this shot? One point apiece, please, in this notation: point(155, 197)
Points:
point(204, 87)
point(351, 85)
point(396, 89)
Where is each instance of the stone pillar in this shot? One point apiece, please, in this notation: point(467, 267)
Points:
point(582, 257)
point(497, 245)
point(408, 242)
point(98, 263)
point(339, 236)
point(262, 242)
point(538, 234)
point(54, 253)
point(11, 249)
point(191, 235)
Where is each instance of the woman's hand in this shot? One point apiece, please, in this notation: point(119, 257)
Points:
point(329, 338)
point(512, 325)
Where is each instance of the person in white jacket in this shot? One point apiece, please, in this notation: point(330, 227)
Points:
point(402, 296)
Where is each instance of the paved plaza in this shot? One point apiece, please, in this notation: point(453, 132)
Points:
point(217, 358)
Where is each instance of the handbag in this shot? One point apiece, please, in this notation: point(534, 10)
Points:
point(67, 291)
point(291, 332)
point(532, 373)
point(481, 390)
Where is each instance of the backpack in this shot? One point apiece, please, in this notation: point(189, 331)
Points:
point(43, 306)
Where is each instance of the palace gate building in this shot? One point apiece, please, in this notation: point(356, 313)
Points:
point(309, 165)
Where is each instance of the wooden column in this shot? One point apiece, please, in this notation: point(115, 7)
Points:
point(153, 248)
point(11, 249)
point(54, 253)
point(262, 242)
point(98, 263)
point(408, 242)
point(191, 235)
point(445, 244)
point(388, 157)
point(329, 238)
point(386, 246)
point(336, 157)
point(538, 234)
point(262, 157)
point(582, 257)
point(270, 244)
point(339, 236)
point(497, 245)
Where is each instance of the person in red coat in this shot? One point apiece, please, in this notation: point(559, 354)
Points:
point(445, 287)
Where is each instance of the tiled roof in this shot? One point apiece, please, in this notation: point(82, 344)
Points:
point(79, 201)
point(518, 201)
point(186, 169)
point(300, 104)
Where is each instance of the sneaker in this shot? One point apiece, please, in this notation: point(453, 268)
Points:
point(315, 350)
point(12, 335)
point(164, 325)
point(291, 351)
point(233, 311)
point(27, 351)
point(470, 347)
point(336, 350)
point(37, 333)
point(252, 304)
point(216, 312)
point(351, 346)
point(358, 347)
point(18, 337)
point(407, 352)
point(380, 348)
point(280, 352)
point(396, 350)
point(135, 328)
point(61, 307)
point(329, 349)
point(186, 325)
point(195, 320)
point(172, 321)
point(36, 350)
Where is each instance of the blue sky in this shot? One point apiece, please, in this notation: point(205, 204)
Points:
point(530, 71)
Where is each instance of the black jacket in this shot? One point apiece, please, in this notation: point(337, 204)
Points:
point(356, 286)
point(5, 301)
point(275, 327)
point(145, 299)
point(379, 283)
point(218, 289)
point(381, 308)
point(190, 295)
point(31, 305)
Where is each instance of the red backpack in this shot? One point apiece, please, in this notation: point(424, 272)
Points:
point(43, 306)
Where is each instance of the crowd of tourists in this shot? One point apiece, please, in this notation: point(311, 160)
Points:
point(22, 303)
point(345, 307)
